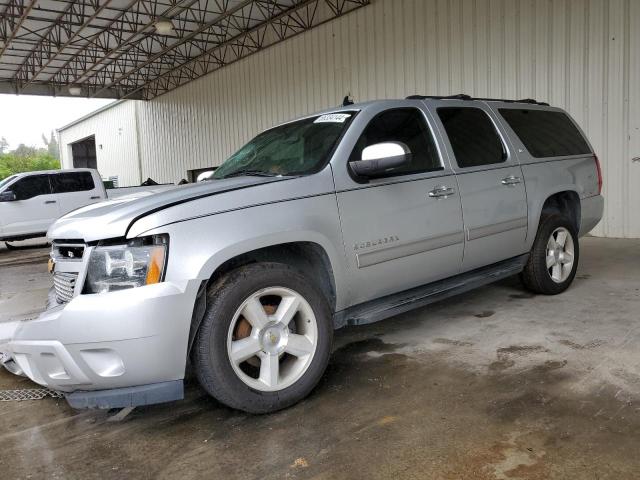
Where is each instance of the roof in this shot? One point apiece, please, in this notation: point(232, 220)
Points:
point(47, 172)
point(90, 114)
point(141, 48)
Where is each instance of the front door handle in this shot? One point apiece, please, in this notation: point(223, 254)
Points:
point(95, 197)
point(443, 191)
point(511, 180)
point(49, 202)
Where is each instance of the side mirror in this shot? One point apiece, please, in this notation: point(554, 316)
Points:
point(8, 196)
point(381, 158)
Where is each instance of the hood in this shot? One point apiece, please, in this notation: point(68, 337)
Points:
point(112, 218)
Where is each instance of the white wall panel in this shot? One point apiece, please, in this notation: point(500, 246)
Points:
point(114, 130)
point(583, 55)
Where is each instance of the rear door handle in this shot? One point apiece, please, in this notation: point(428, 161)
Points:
point(443, 191)
point(49, 201)
point(95, 198)
point(511, 180)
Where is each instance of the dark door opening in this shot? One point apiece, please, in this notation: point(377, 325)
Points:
point(83, 153)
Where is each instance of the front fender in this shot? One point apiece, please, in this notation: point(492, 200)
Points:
point(197, 247)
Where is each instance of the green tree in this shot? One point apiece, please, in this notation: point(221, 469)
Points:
point(24, 151)
point(11, 163)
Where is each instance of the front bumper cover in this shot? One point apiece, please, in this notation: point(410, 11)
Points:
point(110, 350)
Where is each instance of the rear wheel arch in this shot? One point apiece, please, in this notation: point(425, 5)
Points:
point(565, 203)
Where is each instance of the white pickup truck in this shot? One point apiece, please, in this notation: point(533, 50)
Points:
point(30, 202)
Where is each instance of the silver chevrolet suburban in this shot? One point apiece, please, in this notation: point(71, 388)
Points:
point(344, 217)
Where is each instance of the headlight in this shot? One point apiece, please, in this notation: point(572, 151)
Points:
point(135, 264)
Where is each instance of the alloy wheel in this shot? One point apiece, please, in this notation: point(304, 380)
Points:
point(560, 255)
point(272, 339)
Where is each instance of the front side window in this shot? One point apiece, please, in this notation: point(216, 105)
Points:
point(72, 182)
point(406, 125)
point(473, 137)
point(302, 147)
point(32, 186)
point(545, 133)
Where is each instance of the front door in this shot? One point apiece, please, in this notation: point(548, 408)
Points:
point(34, 209)
point(494, 203)
point(405, 228)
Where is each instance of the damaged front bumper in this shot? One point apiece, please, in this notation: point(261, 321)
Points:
point(111, 350)
point(7, 331)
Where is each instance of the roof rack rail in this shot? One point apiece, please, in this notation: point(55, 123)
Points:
point(462, 96)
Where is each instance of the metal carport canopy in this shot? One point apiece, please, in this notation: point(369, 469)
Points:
point(141, 49)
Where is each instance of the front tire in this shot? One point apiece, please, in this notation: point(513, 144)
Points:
point(265, 339)
point(554, 257)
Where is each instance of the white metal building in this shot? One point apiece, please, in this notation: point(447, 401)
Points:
point(582, 55)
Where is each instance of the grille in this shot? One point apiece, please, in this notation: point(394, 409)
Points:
point(65, 284)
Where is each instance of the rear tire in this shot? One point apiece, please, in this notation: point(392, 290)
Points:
point(280, 321)
point(554, 257)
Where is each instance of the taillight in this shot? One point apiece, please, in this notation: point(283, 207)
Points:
point(599, 168)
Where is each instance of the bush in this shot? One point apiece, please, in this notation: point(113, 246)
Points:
point(11, 164)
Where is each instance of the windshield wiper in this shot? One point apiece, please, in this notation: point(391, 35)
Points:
point(251, 173)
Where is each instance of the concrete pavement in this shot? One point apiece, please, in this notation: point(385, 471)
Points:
point(494, 384)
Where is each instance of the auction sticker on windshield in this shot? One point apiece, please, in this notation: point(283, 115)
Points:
point(332, 118)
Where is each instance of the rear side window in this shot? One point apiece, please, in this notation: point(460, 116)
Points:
point(72, 182)
point(31, 186)
point(473, 137)
point(546, 134)
point(406, 125)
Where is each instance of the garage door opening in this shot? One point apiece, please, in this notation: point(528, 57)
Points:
point(83, 153)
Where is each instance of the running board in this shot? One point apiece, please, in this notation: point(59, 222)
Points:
point(397, 303)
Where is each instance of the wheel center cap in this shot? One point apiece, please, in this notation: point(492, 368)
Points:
point(274, 339)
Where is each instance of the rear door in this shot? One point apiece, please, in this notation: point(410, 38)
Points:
point(75, 189)
point(34, 209)
point(494, 203)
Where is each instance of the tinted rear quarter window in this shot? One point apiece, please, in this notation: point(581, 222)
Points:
point(473, 137)
point(545, 133)
point(31, 186)
point(72, 182)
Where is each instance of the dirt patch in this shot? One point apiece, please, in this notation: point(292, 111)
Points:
point(501, 364)
point(457, 343)
point(586, 346)
point(520, 350)
point(551, 365)
point(506, 356)
point(485, 314)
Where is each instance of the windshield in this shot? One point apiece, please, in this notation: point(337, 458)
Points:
point(297, 148)
point(6, 181)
